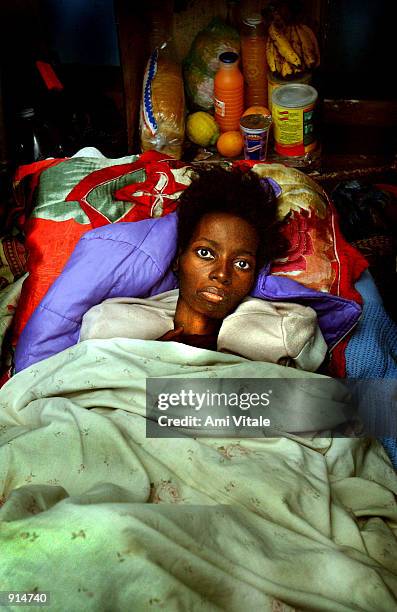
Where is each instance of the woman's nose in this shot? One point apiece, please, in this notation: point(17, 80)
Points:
point(221, 272)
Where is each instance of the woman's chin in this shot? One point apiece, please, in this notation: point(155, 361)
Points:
point(215, 310)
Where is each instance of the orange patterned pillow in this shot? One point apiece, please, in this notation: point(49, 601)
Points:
point(318, 257)
point(70, 197)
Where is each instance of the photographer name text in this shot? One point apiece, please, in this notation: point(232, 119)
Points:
point(209, 421)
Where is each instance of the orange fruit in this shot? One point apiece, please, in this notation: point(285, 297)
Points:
point(257, 110)
point(230, 144)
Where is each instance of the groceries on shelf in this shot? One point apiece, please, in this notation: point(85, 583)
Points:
point(230, 80)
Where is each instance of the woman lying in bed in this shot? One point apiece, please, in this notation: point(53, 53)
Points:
point(225, 231)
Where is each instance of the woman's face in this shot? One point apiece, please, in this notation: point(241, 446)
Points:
point(217, 269)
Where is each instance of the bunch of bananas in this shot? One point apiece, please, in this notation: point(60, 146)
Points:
point(291, 49)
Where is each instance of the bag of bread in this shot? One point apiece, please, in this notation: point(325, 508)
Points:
point(162, 113)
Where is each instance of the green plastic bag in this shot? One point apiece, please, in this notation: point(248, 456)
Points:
point(202, 62)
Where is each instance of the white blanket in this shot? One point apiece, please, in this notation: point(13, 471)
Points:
point(107, 519)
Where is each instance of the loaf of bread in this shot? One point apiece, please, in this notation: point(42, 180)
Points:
point(162, 113)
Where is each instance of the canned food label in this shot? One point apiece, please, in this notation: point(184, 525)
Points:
point(294, 127)
point(255, 146)
point(220, 107)
point(308, 127)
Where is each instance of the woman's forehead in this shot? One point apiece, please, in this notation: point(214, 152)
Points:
point(225, 227)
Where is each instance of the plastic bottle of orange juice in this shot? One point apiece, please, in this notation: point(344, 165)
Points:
point(253, 54)
point(228, 92)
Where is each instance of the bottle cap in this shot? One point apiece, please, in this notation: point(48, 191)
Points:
point(26, 113)
point(229, 57)
point(253, 20)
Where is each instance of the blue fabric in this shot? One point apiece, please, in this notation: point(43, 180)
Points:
point(390, 446)
point(134, 260)
point(372, 349)
point(372, 352)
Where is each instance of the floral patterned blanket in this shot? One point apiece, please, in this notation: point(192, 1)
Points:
point(104, 518)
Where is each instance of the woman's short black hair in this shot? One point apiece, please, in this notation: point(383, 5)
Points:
point(241, 193)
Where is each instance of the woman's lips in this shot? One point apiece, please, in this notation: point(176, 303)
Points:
point(213, 294)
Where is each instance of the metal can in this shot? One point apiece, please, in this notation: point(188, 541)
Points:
point(294, 119)
point(255, 132)
point(274, 81)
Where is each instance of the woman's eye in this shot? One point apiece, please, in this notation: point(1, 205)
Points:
point(204, 253)
point(243, 265)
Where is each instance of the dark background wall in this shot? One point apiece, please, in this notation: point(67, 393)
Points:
point(83, 31)
point(357, 57)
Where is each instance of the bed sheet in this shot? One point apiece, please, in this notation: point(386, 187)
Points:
point(107, 519)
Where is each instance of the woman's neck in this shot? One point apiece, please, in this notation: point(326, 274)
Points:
point(194, 323)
